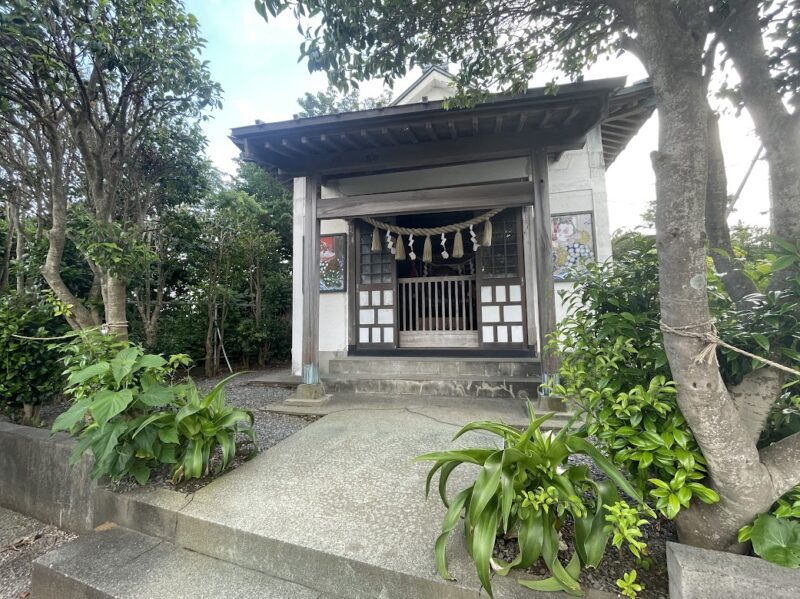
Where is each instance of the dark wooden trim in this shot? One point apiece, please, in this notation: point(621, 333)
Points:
point(311, 281)
point(544, 257)
point(435, 352)
point(435, 153)
point(447, 199)
point(352, 276)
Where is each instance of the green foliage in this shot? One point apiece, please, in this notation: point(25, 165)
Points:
point(625, 524)
point(332, 102)
point(496, 44)
point(85, 348)
point(529, 489)
point(776, 535)
point(118, 250)
point(615, 369)
point(133, 417)
point(628, 585)
point(29, 370)
point(774, 539)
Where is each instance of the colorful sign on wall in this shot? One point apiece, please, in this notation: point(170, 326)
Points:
point(333, 262)
point(573, 244)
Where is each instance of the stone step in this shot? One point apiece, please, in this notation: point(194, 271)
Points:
point(123, 564)
point(521, 367)
point(424, 384)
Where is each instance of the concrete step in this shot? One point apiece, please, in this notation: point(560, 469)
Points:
point(425, 384)
point(123, 564)
point(492, 367)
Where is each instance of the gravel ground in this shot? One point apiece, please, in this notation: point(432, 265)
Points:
point(22, 540)
point(615, 562)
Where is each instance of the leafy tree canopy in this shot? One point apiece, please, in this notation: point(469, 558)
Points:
point(331, 101)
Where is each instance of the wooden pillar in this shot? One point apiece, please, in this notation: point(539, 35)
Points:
point(544, 259)
point(311, 284)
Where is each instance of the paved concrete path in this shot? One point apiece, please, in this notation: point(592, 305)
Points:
point(344, 497)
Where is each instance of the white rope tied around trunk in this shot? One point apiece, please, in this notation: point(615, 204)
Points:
point(708, 353)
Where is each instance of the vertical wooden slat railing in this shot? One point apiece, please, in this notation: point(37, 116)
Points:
point(438, 304)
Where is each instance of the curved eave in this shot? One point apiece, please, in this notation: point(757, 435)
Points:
point(628, 110)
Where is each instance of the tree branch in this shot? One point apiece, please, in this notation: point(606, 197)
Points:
point(782, 461)
point(754, 397)
point(736, 281)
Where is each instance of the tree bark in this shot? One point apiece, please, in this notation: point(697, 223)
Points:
point(211, 309)
point(672, 50)
point(778, 130)
point(736, 282)
point(80, 317)
point(754, 398)
point(115, 295)
point(7, 244)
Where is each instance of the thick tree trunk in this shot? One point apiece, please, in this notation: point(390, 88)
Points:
point(736, 282)
point(115, 296)
point(672, 49)
point(80, 317)
point(778, 130)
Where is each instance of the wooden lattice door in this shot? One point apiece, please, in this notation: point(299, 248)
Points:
point(502, 284)
point(376, 286)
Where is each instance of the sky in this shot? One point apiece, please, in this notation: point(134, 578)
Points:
point(256, 64)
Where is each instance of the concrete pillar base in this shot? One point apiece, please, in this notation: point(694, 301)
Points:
point(308, 395)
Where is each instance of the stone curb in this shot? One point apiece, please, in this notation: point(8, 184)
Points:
point(696, 573)
point(36, 479)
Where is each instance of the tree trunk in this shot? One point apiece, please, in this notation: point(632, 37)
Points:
point(7, 244)
point(80, 317)
point(211, 310)
point(20, 248)
point(672, 49)
point(778, 130)
point(115, 296)
point(736, 282)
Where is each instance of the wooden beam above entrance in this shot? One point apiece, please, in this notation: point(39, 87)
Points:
point(446, 199)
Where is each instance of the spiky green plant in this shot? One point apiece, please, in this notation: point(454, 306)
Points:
point(528, 488)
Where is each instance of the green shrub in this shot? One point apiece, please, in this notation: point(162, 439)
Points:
point(614, 369)
point(30, 373)
point(133, 417)
point(528, 488)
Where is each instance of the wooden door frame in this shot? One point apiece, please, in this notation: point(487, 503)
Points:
point(524, 345)
point(357, 227)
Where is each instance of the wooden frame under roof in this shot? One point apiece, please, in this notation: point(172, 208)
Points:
point(427, 134)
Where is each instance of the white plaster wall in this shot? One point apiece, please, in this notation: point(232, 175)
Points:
point(577, 184)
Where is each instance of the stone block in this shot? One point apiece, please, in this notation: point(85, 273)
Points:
point(36, 479)
point(696, 573)
point(124, 564)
